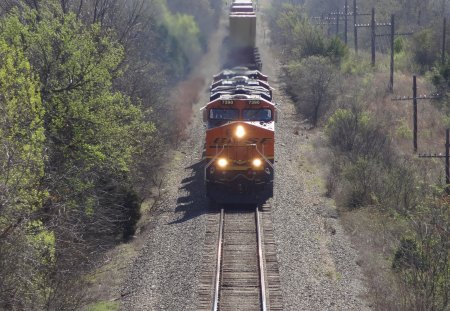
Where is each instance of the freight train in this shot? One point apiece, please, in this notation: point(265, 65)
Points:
point(240, 119)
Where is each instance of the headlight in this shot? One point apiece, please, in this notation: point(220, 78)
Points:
point(257, 162)
point(222, 162)
point(240, 131)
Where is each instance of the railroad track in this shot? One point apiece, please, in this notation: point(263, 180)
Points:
point(245, 272)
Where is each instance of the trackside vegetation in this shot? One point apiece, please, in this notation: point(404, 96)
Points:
point(371, 173)
point(85, 119)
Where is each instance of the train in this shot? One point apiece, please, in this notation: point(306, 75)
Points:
point(240, 119)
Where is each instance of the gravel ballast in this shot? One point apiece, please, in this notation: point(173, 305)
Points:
point(318, 269)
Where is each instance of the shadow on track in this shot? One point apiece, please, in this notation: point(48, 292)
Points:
point(194, 203)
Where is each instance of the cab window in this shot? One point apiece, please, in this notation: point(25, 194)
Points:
point(257, 115)
point(224, 114)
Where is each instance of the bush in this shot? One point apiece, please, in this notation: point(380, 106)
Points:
point(360, 183)
point(313, 84)
point(422, 259)
point(425, 48)
point(366, 166)
point(300, 39)
point(357, 134)
point(337, 50)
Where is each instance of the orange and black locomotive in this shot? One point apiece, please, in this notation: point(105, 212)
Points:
point(240, 120)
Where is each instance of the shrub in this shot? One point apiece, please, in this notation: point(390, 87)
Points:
point(422, 259)
point(425, 48)
point(355, 133)
point(313, 84)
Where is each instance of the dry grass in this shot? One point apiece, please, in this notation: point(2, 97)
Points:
point(373, 232)
point(374, 235)
point(398, 115)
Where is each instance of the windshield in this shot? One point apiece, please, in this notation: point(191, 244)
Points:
point(257, 115)
point(224, 114)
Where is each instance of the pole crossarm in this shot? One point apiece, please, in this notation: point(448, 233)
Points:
point(431, 96)
point(323, 24)
point(396, 34)
point(370, 25)
point(349, 14)
point(340, 14)
point(440, 155)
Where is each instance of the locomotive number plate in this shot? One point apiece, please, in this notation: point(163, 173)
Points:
point(253, 102)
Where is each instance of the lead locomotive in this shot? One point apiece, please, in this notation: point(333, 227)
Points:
point(240, 120)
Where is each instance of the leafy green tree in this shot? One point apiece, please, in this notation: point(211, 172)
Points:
point(92, 133)
point(184, 29)
point(90, 128)
point(440, 77)
point(297, 35)
point(203, 11)
point(300, 39)
point(425, 48)
point(23, 237)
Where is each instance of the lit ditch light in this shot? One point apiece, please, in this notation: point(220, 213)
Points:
point(222, 162)
point(257, 162)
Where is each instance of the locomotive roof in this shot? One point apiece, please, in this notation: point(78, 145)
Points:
point(239, 97)
point(260, 93)
point(242, 8)
point(242, 14)
point(240, 71)
point(242, 2)
point(257, 90)
point(241, 80)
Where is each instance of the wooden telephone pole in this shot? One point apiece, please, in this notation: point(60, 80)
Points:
point(444, 35)
point(415, 98)
point(392, 36)
point(373, 27)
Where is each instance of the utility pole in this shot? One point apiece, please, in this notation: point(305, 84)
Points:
point(447, 159)
point(444, 31)
point(415, 98)
point(355, 29)
point(346, 22)
point(391, 69)
point(328, 28)
point(321, 22)
point(415, 111)
point(337, 24)
point(372, 26)
point(392, 36)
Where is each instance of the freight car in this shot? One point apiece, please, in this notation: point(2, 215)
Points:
point(240, 119)
point(242, 50)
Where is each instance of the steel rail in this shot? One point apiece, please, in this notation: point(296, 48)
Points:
point(261, 263)
point(219, 263)
point(262, 279)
